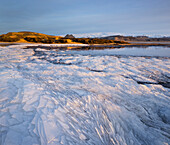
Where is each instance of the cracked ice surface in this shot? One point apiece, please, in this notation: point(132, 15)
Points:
point(47, 97)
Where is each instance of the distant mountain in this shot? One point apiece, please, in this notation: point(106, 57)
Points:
point(95, 35)
point(123, 36)
point(135, 38)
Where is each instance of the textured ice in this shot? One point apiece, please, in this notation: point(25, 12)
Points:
point(53, 97)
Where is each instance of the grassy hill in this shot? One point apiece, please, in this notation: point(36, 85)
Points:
point(26, 36)
point(32, 37)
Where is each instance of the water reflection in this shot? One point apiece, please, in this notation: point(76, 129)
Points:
point(153, 51)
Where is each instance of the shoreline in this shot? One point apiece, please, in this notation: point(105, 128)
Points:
point(86, 46)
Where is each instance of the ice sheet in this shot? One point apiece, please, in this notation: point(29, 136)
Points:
point(52, 97)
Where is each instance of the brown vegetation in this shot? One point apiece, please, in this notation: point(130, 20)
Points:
point(32, 37)
point(137, 38)
point(95, 41)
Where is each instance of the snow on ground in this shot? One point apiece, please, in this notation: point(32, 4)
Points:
point(54, 98)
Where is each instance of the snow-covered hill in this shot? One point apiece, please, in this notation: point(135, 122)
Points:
point(105, 34)
point(94, 35)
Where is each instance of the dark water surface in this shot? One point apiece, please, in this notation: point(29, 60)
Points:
point(153, 51)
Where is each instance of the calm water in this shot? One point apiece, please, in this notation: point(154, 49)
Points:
point(153, 51)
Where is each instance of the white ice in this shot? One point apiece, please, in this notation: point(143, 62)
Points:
point(47, 97)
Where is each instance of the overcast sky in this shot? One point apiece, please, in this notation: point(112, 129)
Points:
point(59, 17)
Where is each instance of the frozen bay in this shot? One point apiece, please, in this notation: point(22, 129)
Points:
point(118, 97)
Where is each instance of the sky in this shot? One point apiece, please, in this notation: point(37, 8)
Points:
point(60, 17)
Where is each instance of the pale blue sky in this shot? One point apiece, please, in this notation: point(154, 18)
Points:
point(59, 17)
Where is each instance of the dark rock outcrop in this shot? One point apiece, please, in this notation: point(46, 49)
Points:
point(69, 36)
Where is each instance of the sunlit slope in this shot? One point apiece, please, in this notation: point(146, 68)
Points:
point(25, 36)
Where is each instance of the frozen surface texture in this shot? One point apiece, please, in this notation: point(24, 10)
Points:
point(51, 97)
